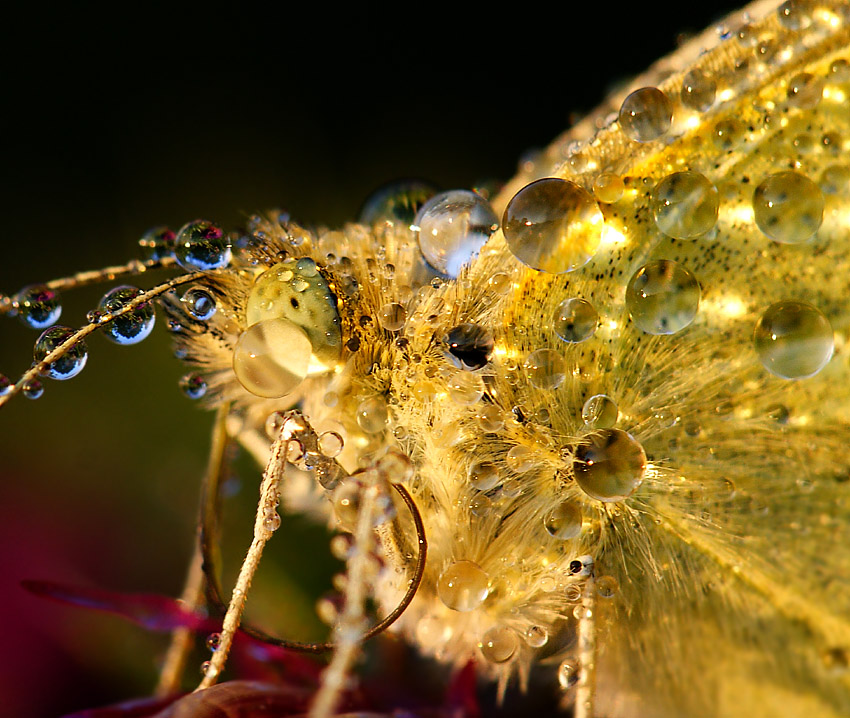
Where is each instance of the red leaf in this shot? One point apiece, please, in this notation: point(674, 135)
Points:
point(154, 612)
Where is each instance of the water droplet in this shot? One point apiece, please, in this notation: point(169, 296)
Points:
point(480, 505)
point(608, 187)
point(397, 467)
point(271, 522)
point(372, 414)
point(728, 134)
point(698, 91)
point(793, 340)
point(609, 465)
point(490, 418)
point(37, 306)
point(463, 586)
point(575, 320)
point(453, 226)
point(193, 385)
point(607, 586)
point(5, 385)
point(201, 245)
point(33, 389)
point(213, 641)
point(499, 644)
point(157, 243)
point(272, 357)
point(564, 521)
point(685, 205)
point(545, 369)
point(469, 345)
point(330, 444)
point(646, 114)
point(69, 364)
point(536, 636)
point(483, 475)
point(795, 14)
point(805, 91)
point(568, 674)
point(199, 304)
point(600, 412)
point(129, 328)
point(520, 459)
point(392, 316)
point(662, 297)
point(205, 667)
point(553, 225)
point(465, 388)
point(397, 203)
point(788, 207)
point(348, 496)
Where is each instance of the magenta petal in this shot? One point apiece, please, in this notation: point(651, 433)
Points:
point(154, 612)
point(241, 699)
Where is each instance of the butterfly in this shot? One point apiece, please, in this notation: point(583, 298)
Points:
point(710, 585)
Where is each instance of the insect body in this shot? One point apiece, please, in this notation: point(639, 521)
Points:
point(616, 397)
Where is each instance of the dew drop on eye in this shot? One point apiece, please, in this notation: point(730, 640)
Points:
point(272, 358)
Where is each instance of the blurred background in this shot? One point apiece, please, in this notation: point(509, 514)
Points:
point(111, 126)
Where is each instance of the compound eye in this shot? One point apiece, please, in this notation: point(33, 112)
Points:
point(295, 290)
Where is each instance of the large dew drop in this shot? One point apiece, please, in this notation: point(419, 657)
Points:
point(553, 225)
point(453, 226)
point(69, 364)
point(463, 586)
point(662, 297)
point(788, 207)
point(646, 114)
point(132, 327)
point(201, 246)
point(609, 465)
point(272, 357)
point(685, 205)
point(793, 340)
